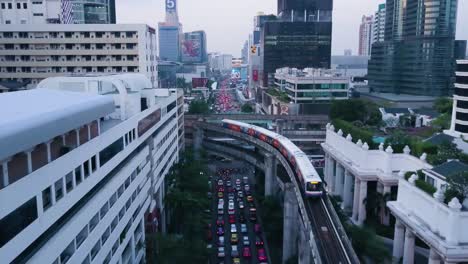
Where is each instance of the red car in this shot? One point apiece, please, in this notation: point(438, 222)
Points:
point(232, 219)
point(257, 228)
point(220, 221)
point(246, 252)
point(261, 255)
point(221, 189)
point(258, 242)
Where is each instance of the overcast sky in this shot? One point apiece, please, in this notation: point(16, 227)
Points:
point(228, 23)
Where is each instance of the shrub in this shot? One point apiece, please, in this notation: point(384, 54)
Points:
point(356, 109)
point(408, 174)
point(428, 188)
point(356, 133)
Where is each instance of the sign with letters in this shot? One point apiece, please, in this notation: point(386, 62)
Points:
point(171, 5)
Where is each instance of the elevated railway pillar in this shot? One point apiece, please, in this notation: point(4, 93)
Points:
point(290, 218)
point(270, 173)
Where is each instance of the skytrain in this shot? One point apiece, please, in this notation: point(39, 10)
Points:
point(300, 163)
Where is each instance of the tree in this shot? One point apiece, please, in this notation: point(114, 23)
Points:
point(367, 244)
point(445, 151)
point(443, 105)
point(356, 110)
point(443, 121)
point(398, 141)
point(459, 183)
point(199, 107)
point(246, 108)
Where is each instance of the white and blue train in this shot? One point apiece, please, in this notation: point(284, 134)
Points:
point(300, 163)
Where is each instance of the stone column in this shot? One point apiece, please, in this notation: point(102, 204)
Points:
point(339, 180)
point(398, 241)
point(347, 195)
point(408, 253)
point(4, 168)
point(304, 254)
point(49, 151)
point(331, 176)
point(357, 188)
point(362, 205)
point(434, 258)
point(270, 173)
point(289, 222)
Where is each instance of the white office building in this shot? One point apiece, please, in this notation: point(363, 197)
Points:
point(365, 36)
point(83, 163)
point(31, 11)
point(31, 53)
point(312, 85)
point(378, 26)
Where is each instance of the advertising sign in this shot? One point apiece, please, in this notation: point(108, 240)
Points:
point(236, 73)
point(171, 5)
point(255, 75)
point(192, 48)
point(199, 82)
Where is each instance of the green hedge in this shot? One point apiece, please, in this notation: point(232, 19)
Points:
point(423, 185)
point(356, 132)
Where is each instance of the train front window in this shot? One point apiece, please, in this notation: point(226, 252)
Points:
point(312, 187)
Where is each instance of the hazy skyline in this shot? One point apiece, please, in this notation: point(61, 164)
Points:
point(228, 23)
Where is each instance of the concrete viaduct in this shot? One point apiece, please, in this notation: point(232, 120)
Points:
point(311, 228)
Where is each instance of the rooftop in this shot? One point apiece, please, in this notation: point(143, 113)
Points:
point(450, 168)
point(395, 110)
point(45, 114)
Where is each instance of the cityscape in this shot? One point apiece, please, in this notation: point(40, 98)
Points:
point(336, 132)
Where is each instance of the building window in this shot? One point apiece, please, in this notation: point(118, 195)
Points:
point(38, 14)
point(69, 182)
point(58, 189)
point(112, 150)
point(46, 199)
point(10, 6)
point(17, 220)
point(3, 5)
point(25, 5)
point(18, 5)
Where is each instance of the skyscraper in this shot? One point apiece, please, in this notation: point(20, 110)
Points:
point(378, 26)
point(417, 54)
point(300, 38)
point(170, 32)
point(93, 12)
point(193, 47)
point(365, 36)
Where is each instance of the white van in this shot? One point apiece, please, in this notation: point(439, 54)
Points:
point(220, 209)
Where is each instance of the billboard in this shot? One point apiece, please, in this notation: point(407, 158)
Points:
point(236, 73)
point(199, 82)
point(171, 5)
point(192, 47)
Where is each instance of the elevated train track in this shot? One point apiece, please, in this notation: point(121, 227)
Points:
point(326, 237)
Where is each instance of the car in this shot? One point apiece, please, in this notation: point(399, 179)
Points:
point(232, 219)
point(221, 241)
point(220, 231)
point(209, 235)
point(261, 255)
point(234, 239)
point(221, 189)
point(250, 198)
point(246, 252)
point(231, 196)
point(240, 194)
point(238, 188)
point(247, 187)
point(243, 228)
point(209, 246)
point(210, 195)
point(233, 228)
point(220, 221)
point(228, 183)
point(231, 190)
point(209, 183)
point(245, 241)
point(220, 183)
point(231, 212)
point(241, 205)
point(234, 251)
point(257, 228)
point(221, 253)
point(241, 218)
point(220, 194)
point(238, 181)
point(245, 179)
point(221, 201)
point(236, 260)
point(258, 241)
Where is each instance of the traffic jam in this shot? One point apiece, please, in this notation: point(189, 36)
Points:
point(225, 101)
point(235, 233)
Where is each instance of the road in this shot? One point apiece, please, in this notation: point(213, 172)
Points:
point(242, 170)
point(225, 101)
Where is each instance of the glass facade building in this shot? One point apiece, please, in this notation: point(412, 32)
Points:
point(417, 55)
point(295, 45)
point(169, 39)
point(93, 11)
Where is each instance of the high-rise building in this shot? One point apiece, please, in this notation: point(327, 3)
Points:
point(245, 52)
point(169, 34)
point(93, 12)
point(30, 12)
point(365, 36)
point(459, 124)
point(417, 54)
point(193, 47)
point(378, 26)
point(460, 49)
point(31, 53)
point(57, 11)
point(84, 161)
point(299, 38)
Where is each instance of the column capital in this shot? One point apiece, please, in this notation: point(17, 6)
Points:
point(409, 233)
